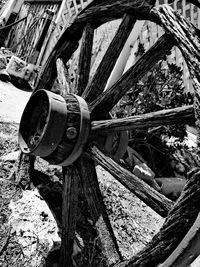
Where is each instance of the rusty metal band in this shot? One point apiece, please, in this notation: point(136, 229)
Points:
point(83, 133)
point(48, 142)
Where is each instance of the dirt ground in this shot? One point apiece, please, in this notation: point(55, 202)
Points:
point(22, 223)
point(12, 102)
point(133, 222)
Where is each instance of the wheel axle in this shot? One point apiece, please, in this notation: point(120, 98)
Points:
point(55, 128)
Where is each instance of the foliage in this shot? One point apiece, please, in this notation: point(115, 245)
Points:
point(162, 88)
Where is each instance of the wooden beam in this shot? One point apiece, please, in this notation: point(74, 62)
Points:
point(180, 219)
point(123, 61)
point(188, 250)
point(187, 38)
point(69, 213)
point(108, 99)
point(98, 83)
point(98, 212)
point(85, 59)
point(43, 1)
point(62, 77)
point(183, 114)
point(147, 194)
point(96, 13)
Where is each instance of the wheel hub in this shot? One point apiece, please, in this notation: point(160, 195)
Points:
point(54, 128)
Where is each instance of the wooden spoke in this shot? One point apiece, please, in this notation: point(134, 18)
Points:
point(85, 59)
point(82, 175)
point(164, 117)
point(24, 169)
point(69, 213)
point(183, 33)
point(103, 12)
point(188, 40)
point(180, 219)
point(63, 84)
point(108, 99)
point(45, 80)
point(147, 194)
point(106, 66)
point(98, 210)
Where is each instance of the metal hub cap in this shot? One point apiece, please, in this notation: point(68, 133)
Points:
point(55, 128)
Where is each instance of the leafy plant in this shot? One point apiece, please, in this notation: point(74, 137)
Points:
point(162, 88)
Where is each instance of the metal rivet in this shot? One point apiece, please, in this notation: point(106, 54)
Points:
point(71, 133)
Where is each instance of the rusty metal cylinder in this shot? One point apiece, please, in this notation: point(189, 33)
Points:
point(55, 128)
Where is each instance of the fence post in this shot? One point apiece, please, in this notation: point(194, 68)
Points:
point(37, 50)
point(8, 15)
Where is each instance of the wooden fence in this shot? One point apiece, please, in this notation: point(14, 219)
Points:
point(68, 10)
point(65, 10)
point(151, 32)
point(24, 36)
point(148, 36)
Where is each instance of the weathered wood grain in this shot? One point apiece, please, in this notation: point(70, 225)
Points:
point(23, 170)
point(147, 194)
point(69, 213)
point(187, 250)
point(164, 117)
point(97, 208)
point(85, 59)
point(178, 222)
point(106, 101)
point(96, 13)
point(98, 83)
point(102, 11)
point(62, 77)
point(187, 38)
point(49, 72)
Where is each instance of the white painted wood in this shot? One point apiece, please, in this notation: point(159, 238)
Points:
point(62, 8)
point(184, 8)
point(122, 60)
point(192, 13)
point(68, 8)
point(82, 4)
point(75, 6)
point(132, 58)
point(198, 18)
point(18, 6)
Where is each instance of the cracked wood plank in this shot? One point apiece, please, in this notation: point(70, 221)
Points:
point(143, 191)
point(108, 99)
point(96, 13)
point(97, 208)
point(183, 114)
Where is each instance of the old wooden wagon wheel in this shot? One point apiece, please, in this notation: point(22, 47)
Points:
point(63, 130)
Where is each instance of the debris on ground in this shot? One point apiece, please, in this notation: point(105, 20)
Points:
point(33, 229)
point(15, 70)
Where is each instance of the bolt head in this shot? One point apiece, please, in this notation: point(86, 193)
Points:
point(71, 133)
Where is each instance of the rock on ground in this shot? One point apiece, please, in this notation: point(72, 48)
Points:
point(34, 227)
